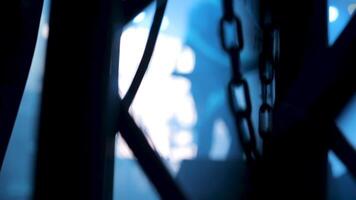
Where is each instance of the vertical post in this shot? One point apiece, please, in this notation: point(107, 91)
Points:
point(76, 140)
point(296, 158)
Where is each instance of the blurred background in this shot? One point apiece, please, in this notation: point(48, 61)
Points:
point(181, 105)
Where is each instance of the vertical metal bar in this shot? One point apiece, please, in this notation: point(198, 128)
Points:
point(296, 157)
point(76, 138)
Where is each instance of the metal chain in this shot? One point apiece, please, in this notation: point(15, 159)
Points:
point(269, 58)
point(238, 89)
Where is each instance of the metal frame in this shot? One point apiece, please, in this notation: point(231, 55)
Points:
point(309, 98)
point(18, 38)
point(81, 109)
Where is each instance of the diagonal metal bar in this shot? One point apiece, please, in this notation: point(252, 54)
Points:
point(19, 26)
point(149, 160)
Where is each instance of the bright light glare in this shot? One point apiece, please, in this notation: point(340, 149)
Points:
point(333, 14)
point(165, 23)
point(139, 18)
point(183, 138)
point(45, 31)
point(186, 61)
point(351, 8)
point(162, 97)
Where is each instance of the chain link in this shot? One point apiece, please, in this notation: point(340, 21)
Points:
point(238, 89)
point(235, 24)
point(269, 58)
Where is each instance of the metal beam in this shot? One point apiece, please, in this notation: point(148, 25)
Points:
point(19, 23)
point(75, 156)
